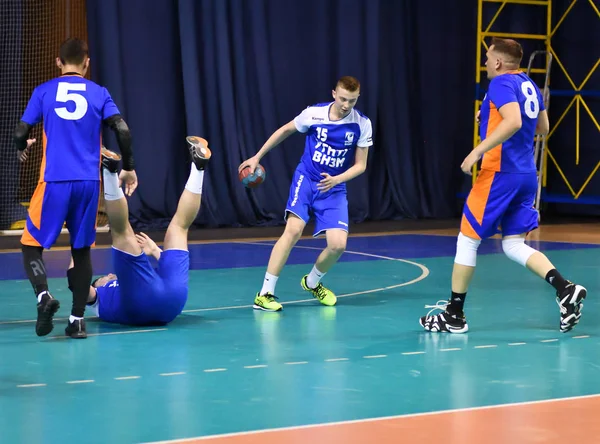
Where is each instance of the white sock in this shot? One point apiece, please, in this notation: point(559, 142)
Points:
point(195, 181)
point(112, 191)
point(73, 319)
point(269, 284)
point(314, 277)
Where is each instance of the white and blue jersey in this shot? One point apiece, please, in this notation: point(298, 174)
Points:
point(330, 145)
point(330, 148)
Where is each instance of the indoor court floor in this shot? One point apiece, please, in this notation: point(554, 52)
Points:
point(363, 371)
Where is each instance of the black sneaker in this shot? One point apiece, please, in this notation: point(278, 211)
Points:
point(199, 151)
point(110, 160)
point(570, 303)
point(444, 322)
point(76, 329)
point(46, 309)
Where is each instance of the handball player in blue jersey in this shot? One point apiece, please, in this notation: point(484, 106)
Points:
point(338, 138)
point(502, 198)
point(73, 110)
point(138, 293)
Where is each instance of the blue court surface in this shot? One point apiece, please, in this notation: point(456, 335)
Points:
point(222, 367)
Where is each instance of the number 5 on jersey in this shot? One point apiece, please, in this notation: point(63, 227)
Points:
point(64, 95)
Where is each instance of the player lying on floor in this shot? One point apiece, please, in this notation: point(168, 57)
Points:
point(139, 294)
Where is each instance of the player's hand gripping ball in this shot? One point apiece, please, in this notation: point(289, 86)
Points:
point(255, 179)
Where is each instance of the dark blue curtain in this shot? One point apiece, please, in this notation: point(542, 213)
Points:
point(233, 71)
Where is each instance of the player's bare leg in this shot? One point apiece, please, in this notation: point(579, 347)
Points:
point(461, 278)
point(79, 274)
point(463, 271)
point(284, 245)
point(117, 210)
point(265, 298)
point(569, 296)
point(336, 245)
point(452, 319)
point(187, 210)
point(539, 263)
point(190, 200)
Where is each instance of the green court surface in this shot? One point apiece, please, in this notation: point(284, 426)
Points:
point(222, 367)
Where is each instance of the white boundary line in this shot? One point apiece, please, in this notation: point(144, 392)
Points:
point(111, 333)
point(368, 420)
point(424, 273)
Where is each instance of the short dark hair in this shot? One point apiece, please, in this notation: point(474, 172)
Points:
point(510, 48)
point(94, 281)
point(73, 51)
point(349, 83)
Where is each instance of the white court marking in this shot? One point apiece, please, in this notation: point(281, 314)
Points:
point(424, 273)
point(372, 420)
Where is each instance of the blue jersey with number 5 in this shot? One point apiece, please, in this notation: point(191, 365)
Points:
point(515, 155)
point(72, 109)
point(331, 144)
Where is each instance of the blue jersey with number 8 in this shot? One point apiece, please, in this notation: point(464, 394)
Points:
point(515, 155)
point(72, 109)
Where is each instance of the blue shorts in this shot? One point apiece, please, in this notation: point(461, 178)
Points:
point(330, 208)
point(53, 204)
point(148, 295)
point(500, 203)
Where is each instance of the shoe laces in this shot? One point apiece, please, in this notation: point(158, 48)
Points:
point(268, 296)
point(320, 291)
point(439, 305)
point(563, 309)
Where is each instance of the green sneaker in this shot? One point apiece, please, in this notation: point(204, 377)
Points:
point(322, 293)
point(266, 302)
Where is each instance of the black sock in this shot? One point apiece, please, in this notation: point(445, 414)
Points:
point(80, 279)
point(556, 280)
point(35, 268)
point(70, 277)
point(457, 302)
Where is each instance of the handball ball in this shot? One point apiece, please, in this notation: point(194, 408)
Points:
point(255, 179)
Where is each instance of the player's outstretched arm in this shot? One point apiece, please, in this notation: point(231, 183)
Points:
point(359, 167)
point(276, 138)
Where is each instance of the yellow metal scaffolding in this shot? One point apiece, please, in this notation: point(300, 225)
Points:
point(577, 92)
